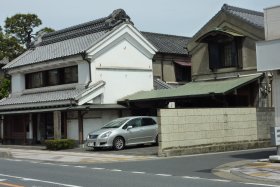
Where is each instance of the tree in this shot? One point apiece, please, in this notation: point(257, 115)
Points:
point(45, 30)
point(4, 87)
point(9, 47)
point(21, 26)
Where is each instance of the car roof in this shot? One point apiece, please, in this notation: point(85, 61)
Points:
point(132, 117)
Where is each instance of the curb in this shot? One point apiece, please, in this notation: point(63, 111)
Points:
point(5, 154)
point(232, 168)
point(240, 174)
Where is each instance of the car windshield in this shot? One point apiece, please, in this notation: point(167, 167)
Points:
point(115, 123)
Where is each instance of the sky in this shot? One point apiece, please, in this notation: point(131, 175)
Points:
point(177, 17)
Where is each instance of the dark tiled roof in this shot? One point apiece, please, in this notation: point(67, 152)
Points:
point(159, 84)
point(70, 41)
point(168, 43)
point(252, 17)
point(50, 96)
point(42, 97)
point(56, 50)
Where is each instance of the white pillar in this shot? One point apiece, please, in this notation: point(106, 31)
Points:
point(30, 134)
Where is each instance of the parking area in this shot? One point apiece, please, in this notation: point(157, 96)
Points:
point(140, 150)
point(143, 150)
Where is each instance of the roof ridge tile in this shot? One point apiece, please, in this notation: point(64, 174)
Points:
point(227, 7)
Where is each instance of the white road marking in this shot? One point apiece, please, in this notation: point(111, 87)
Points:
point(138, 172)
point(118, 170)
point(37, 180)
point(189, 177)
point(80, 166)
point(63, 165)
point(220, 180)
point(164, 175)
point(98, 168)
point(115, 170)
point(259, 184)
point(47, 163)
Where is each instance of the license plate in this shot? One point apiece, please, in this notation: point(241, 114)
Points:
point(91, 144)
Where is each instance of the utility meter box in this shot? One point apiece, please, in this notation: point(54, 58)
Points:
point(275, 135)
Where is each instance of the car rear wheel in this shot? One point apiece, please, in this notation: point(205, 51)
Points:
point(118, 143)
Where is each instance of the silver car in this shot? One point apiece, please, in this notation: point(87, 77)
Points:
point(125, 131)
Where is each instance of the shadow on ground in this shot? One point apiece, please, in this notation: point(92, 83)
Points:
point(255, 155)
point(144, 150)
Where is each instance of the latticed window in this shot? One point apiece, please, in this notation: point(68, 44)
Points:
point(52, 77)
point(222, 55)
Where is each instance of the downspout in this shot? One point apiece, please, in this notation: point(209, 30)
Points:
point(162, 68)
point(86, 59)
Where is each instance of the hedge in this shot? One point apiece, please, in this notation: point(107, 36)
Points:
point(59, 144)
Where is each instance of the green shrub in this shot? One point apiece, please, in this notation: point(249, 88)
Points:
point(59, 144)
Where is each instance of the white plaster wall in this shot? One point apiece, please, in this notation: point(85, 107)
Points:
point(90, 124)
point(83, 72)
point(121, 83)
point(125, 70)
point(18, 83)
point(272, 23)
point(123, 55)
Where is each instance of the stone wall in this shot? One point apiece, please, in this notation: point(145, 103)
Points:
point(187, 131)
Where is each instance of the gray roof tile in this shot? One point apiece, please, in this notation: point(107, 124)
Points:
point(42, 97)
point(252, 17)
point(168, 43)
point(56, 50)
point(70, 41)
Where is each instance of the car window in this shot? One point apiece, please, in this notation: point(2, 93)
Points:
point(134, 123)
point(115, 123)
point(148, 122)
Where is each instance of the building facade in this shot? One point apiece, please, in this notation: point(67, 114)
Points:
point(69, 82)
point(224, 71)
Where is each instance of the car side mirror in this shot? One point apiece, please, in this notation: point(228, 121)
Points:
point(129, 127)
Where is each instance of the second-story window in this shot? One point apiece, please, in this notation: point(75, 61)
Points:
point(222, 55)
point(224, 48)
point(52, 77)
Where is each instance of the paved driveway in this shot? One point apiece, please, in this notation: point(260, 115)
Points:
point(143, 150)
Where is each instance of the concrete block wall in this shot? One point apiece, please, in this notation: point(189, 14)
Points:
point(181, 128)
point(265, 120)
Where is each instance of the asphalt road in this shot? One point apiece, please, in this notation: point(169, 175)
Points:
point(191, 171)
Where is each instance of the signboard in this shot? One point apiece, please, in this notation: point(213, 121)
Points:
point(275, 135)
point(268, 56)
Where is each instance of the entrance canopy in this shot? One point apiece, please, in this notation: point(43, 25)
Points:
point(193, 89)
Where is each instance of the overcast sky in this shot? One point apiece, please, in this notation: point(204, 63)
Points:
point(178, 17)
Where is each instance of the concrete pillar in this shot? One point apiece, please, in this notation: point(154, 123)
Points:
point(276, 99)
point(57, 124)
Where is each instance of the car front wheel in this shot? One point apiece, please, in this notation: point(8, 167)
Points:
point(118, 143)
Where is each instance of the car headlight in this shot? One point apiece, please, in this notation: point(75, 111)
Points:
point(106, 134)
